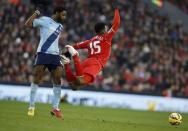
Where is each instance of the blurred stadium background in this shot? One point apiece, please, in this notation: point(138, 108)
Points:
point(149, 53)
point(149, 59)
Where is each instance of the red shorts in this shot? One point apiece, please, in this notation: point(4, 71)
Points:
point(91, 67)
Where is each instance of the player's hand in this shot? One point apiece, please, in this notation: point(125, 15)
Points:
point(37, 12)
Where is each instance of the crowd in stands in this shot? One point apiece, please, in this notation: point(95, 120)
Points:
point(149, 53)
point(182, 4)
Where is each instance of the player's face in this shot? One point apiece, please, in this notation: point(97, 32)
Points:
point(61, 17)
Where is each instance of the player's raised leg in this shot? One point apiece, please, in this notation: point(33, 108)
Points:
point(80, 79)
point(71, 77)
point(38, 72)
point(76, 59)
point(56, 77)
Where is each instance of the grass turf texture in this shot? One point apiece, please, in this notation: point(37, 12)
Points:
point(13, 117)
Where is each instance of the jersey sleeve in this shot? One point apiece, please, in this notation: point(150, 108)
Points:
point(82, 45)
point(38, 22)
point(115, 25)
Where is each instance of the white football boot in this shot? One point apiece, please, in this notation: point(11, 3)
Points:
point(64, 60)
point(71, 50)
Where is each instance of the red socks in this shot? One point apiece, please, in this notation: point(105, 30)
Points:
point(77, 65)
point(70, 76)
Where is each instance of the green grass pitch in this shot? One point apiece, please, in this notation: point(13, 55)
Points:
point(13, 117)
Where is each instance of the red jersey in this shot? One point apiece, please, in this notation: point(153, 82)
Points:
point(100, 46)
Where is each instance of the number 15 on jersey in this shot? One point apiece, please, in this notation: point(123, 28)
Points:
point(95, 47)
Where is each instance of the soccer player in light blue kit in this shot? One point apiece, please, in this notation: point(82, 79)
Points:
point(47, 55)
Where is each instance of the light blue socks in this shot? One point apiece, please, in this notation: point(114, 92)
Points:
point(57, 96)
point(33, 92)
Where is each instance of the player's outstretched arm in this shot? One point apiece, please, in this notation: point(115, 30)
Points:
point(116, 20)
point(29, 22)
point(81, 45)
point(115, 23)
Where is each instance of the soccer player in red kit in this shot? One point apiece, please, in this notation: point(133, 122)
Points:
point(99, 48)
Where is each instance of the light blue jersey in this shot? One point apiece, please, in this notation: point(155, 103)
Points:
point(49, 35)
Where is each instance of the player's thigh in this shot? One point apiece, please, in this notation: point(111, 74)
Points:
point(56, 74)
point(38, 72)
point(91, 68)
